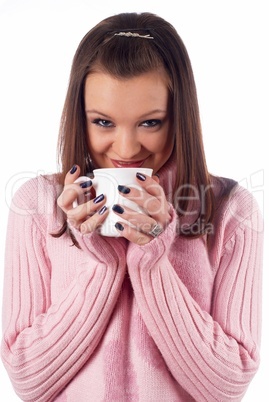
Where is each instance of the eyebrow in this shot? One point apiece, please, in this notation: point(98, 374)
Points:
point(154, 111)
point(98, 112)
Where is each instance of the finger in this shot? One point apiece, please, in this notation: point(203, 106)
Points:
point(82, 211)
point(74, 193)
point(64, 200)
point(132, 234)
point(150, 184)
point(157, 207)
point(140, 221)
point(72, 175)
point(156, 178)
point(94, 222)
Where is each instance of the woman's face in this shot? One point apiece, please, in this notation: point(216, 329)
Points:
point(128, 120)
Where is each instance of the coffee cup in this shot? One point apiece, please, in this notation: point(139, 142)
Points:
point(106, 181)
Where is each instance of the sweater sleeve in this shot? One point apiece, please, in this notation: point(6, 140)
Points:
point(213, 356)
point(44, 345)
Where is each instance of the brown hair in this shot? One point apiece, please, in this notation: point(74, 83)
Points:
point(125, 57)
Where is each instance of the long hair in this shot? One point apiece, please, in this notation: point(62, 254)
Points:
point(125, 57)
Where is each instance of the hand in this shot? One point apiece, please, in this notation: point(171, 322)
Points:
point(90, 211)
point(154, 204)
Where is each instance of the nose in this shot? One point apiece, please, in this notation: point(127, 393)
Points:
point(126, 144)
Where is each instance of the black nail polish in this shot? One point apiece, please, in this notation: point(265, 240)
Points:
point(73, 169)
point(118, 208)
point(86, 184)
point(119, 226)
point(99, 198)
point(102, 210)
point(140, 176)
point(124, 190)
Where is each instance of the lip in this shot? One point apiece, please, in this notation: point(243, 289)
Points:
point(126, 164)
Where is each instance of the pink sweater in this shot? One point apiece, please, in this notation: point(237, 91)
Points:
point(174, 320)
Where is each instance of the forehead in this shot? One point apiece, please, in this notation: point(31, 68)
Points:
point(147, 90)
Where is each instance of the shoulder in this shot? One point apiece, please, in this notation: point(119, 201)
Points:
point(236, 207)
point(36, 195)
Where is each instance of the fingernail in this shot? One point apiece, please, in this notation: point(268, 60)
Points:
point(98, 199)
point(123, 189)
point(119, 226)
point(102, 210)
point(86, 184)
point(73, 169)
point(118, 208)
point(140, 176)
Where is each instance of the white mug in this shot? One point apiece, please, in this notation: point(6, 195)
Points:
point(106, 181)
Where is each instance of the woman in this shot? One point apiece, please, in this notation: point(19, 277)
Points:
point(169, 310)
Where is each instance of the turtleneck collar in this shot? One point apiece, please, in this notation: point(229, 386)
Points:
point(167, 175)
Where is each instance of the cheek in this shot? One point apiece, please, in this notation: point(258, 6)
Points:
point(96, 143)
point(169, 145)
point(163, 143)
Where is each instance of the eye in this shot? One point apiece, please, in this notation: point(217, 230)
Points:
point(103, 123)
point(151, 123)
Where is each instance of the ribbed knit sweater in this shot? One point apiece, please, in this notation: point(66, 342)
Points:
point(175, 320)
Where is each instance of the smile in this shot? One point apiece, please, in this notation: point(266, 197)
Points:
point(123, 164)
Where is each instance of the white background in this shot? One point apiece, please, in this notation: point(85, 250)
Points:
point(228, 45)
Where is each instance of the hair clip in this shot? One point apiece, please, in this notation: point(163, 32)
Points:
point(133, 35)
